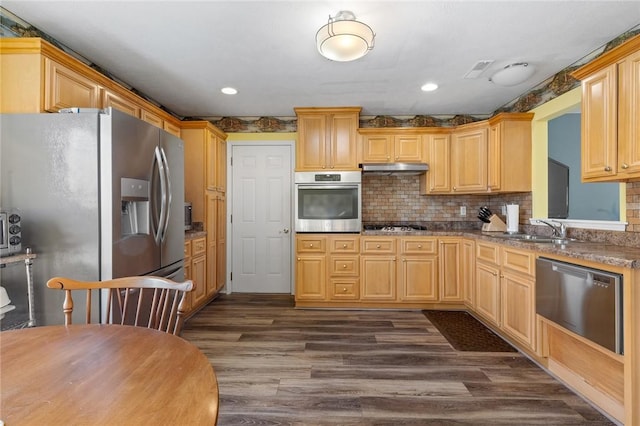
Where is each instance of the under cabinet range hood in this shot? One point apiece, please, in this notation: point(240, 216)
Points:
point(390, 169)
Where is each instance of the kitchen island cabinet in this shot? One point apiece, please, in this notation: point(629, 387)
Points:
point(327, 138)
point(611, 114)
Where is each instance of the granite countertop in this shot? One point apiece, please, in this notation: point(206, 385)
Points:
point(608, 254)
point(191, 235)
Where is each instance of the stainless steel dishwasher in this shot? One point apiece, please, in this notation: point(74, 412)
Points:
point(584, 300)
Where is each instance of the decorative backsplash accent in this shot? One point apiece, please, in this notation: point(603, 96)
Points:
point(633, 207)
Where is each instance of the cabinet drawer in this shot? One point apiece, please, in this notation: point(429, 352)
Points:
point(311, 244)
point(198, 246)
point(379, 245)
point(344, 289)
point(187, 248)
point(344, 245)
point(488, 253)
point(344, 265)
point(419, 246)
point(519, 261)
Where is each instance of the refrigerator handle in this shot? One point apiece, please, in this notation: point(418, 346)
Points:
point(166, 195)
point(157, 164)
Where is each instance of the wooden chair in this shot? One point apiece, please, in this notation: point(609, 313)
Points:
point(146, 301)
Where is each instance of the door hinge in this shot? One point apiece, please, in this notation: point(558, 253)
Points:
point(230, 276)
point(231, 161)
point(230, 218)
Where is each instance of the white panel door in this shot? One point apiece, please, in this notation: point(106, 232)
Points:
point(261, 228)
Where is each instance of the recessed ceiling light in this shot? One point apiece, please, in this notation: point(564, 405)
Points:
point(429, 87)
point(228, 90)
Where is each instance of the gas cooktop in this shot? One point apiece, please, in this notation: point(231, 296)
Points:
point(394, 227)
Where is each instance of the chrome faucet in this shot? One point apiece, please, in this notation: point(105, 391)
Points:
point(559, 230)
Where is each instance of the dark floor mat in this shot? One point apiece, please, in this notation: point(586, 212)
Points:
point(465, 333)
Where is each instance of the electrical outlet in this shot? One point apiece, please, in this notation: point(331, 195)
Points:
point(504, 210)
point(463, 210)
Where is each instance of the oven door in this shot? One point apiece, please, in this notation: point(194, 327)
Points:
point(328, 208)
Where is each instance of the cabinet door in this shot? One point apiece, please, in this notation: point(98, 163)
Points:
point(311, 277)
point(221, 164)
point(488, 292)
point(418, 278)
point(437, 180)
point(212, 242)
point(378, 278)
point(408, 148)
point(343, 152)
point(212, 161)
point(221, 245)
point(344, 288)
point(198, 275)
point(629, 117)
point(518, 310)
point(494, 158)
point(450, 271)
point(151, 118)
point(110, 99)
point(377, 148)
point(172, 128)
point(65, 88)
point(311, 148)
point(599, 128)
point(469, 161)
point(469, 272)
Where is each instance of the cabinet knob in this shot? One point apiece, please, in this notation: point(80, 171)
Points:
point(298, 258)
point(344, 290)
point(344, 246)
point(455, 189)
point(344, 266)
point(419, 245)
point(607, 169)
point(625, 166)
point(388, 158)
point(310, 245)
point(377, 245)
point(404, 260)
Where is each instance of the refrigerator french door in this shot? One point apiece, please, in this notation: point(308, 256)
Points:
point(91, 187)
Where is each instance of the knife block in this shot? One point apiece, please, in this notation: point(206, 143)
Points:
point(495, 225)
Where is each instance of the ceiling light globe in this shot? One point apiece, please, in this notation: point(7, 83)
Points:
point(513, 74)
point(344, 40)
point(229, 90)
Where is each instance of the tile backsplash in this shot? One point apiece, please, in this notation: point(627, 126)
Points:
point(397, 199)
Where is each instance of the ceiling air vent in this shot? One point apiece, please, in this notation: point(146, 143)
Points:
point(478, 68)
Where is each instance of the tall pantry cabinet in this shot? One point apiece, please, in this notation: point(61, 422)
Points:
point(205, 187)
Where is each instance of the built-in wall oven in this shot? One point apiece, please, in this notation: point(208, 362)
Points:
point(328, 201)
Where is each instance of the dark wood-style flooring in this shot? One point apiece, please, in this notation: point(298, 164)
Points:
point(277, 365)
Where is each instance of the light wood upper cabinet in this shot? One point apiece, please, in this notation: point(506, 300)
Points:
point(611, 114)
point(119, 102)
point(65, 88)
point(509, 153)
point(327, 138)
point(438, 179)
point(391, 145)
point(39, 77)
point(469, 159)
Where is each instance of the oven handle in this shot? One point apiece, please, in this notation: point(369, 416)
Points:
point(332, 186)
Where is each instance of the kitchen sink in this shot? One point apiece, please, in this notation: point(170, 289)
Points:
point(537, 238)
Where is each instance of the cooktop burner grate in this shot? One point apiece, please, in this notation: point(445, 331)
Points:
point(395, 228)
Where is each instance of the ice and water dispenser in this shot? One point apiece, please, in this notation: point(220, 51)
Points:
point(135, 206)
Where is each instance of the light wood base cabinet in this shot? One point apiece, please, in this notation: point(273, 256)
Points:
point(196, 270)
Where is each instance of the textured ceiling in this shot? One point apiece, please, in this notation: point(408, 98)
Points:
point(181, 53)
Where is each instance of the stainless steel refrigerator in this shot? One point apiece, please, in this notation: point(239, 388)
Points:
point(101, 195)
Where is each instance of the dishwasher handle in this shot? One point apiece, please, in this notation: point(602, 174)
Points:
point(578, 272)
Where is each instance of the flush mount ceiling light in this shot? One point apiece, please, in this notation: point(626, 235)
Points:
point(513, 74)
point(344, 39)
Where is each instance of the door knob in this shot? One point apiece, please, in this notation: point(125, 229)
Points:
point(285, 230)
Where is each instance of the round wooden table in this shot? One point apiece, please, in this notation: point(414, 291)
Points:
point(104, 375)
